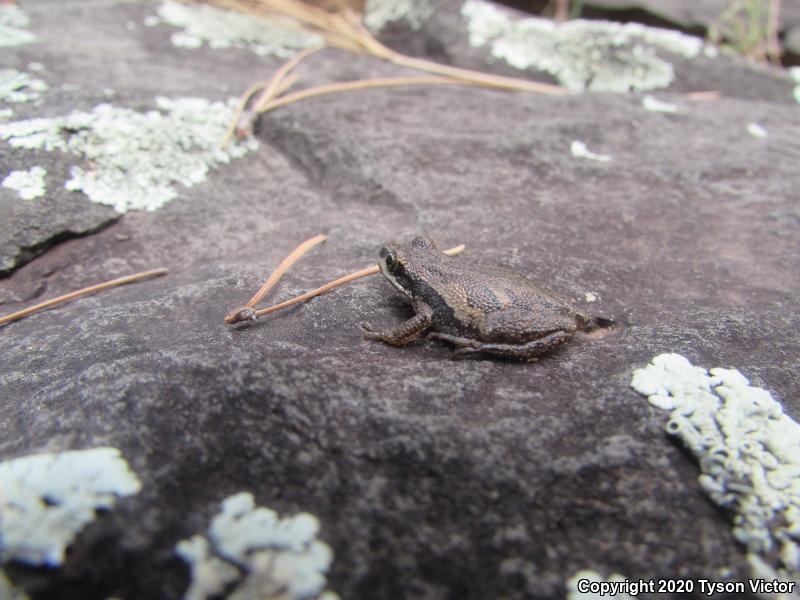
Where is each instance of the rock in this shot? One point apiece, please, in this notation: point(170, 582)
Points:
point(430, 477)
point(685, 15)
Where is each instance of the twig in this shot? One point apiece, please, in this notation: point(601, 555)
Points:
point(773, 44)
point(82, 292)
point(373, 270)
point(703, 96)
point(273, 90)
point(241, 123)
point(345, 30)
point(361, 84)
point(562, 10)
point(246, 312)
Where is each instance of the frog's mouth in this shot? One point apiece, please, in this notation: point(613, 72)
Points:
point(390, 276)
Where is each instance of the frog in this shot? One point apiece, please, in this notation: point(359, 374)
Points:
point(481, 310)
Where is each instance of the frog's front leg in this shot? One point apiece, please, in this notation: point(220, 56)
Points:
point(525, 351)
point(405, 332)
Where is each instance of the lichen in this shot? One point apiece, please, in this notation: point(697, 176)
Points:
point(28, 184)
point(133, 160)
point(794, 73)
point(579, 150)
point(748, 449)
point(582, 55)
point(757, 131)
point(653, 104)
point(378, 13)
point(19, 87)
point(46, 499)
point(13, 26)
point(266, 556)
point(227, 29)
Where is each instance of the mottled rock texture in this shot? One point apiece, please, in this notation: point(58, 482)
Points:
point(432, 478)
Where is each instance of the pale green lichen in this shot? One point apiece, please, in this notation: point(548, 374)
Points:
point(13, 26)
point(653, 104)
point(757, 131)
point(378, 13)
point(136, 159)
point(582, 55)
point(267, 557)
point(748, 449)
point(578, 586)
point(19, 87)
point(227, 29)
point(28, 184)
point(794, 72)
point(46, 499)
point(579, 150)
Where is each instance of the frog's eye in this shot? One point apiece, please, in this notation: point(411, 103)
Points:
point(389, 257)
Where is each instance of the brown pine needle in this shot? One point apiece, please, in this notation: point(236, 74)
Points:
point(704, 96)
point(241, 123)
point(361, 84)
point(246, 312)
point(344, 29)
point(273, 89)
point(478, 78)
point(82, 292)
point(373, 270)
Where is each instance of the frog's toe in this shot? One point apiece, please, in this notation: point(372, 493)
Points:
point(367, 329)
point(459, 342)
point(465, 352)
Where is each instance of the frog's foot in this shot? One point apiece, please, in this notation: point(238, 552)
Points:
point(529, 351)
point(458, 342)
point(398, 336)
point(371, 333)
point(405, 332)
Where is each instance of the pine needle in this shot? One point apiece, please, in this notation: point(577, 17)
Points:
point(343, 28)
point(360, 84)
point(373, 270)
point(82, 292)
point(246, 312)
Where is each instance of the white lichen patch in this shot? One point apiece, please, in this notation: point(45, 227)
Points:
point(579, 150)
point(28, 184)
point(757, 131)
point(794, 73)
point(13, 26)
point(590, 297)
point(46, 499)
point(578, 586)
point(133, 160)
point(581, 54)
point(264, 555)
point(748, 449)
point(227, 29)
point(378, 13)
point(653, 104)
point(19, 87)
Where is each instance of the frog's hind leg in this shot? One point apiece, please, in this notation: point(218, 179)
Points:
point(527, 351)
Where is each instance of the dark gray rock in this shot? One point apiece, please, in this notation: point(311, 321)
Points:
point(432, 478)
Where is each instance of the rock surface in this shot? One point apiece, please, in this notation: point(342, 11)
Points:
point(431, 477)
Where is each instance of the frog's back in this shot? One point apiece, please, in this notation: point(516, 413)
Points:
point(462, 295)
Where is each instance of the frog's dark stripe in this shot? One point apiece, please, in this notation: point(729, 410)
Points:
point(442, 311)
